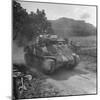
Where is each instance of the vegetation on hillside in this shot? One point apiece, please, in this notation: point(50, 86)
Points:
point(66, 27)
point(28, 26)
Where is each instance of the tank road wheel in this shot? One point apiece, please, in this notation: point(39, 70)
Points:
point(48, 66)
point(76, 62)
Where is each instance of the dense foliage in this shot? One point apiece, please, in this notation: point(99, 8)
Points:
point(28, 26)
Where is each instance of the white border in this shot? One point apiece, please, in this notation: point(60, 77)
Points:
point(5, 49)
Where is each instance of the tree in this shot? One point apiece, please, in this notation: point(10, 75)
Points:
point(40, 22)
point(28, 26)
point(19, 16)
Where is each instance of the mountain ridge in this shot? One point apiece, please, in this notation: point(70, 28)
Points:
point(66, 27)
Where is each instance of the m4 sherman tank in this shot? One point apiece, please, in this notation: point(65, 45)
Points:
point(48, 55)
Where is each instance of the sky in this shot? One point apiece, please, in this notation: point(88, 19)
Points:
point(55, 11)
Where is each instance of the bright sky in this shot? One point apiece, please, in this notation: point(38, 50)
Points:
point(55, 11)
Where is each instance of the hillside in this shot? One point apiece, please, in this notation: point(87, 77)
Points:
point(69, 27)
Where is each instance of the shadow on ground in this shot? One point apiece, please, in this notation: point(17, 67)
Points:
point(65, 74)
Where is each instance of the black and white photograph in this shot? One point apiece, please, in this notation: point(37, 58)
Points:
point(54, 49)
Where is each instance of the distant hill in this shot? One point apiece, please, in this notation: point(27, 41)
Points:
point(69, 27)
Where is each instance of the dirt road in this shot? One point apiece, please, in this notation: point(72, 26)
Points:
point(81, 80)
point(74, 82)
